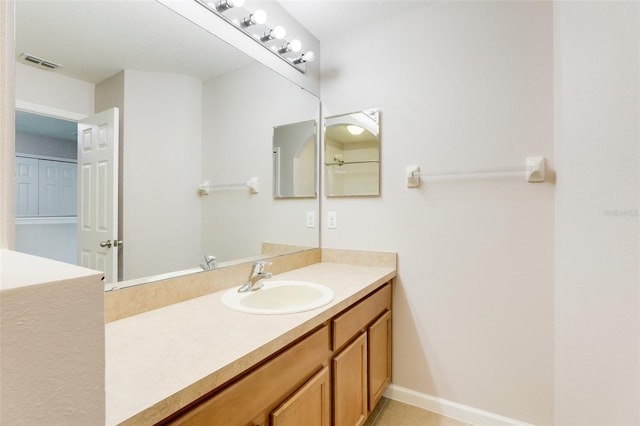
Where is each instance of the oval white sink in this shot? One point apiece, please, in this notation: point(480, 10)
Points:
point(279, 297)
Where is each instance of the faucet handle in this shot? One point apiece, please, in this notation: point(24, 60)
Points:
point(258, 266)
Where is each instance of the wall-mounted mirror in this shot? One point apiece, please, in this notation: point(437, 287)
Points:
point(294, 160)
point(192, 109)
point(352, 154)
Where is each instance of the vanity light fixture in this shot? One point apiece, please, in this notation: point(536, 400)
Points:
point(223, 5)
point(355, 130)
point(258, 17)
point(253, 25)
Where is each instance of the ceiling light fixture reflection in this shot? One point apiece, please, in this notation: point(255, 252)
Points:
point(228, 4)
point(355, 130)
point(258, 17)
point(253, 24)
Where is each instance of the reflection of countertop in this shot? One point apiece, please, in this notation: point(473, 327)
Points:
point(159, 361)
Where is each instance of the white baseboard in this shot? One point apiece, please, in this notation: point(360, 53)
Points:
point(447, 408)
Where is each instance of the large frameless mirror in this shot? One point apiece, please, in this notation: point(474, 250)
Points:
point(294, 160)
point(352, 154)
point(196, 120)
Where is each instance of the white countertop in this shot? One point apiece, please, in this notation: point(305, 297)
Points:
point(159, 361)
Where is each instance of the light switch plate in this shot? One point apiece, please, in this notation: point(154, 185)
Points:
point(332, 222)
point(311, 219)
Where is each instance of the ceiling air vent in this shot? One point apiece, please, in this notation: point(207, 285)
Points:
point(38, 62)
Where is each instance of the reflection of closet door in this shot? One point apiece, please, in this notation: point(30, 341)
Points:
point(26, 186)
point(57, 187)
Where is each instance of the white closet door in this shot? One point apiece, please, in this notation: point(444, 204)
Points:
point(57, 187)
point(26, 186)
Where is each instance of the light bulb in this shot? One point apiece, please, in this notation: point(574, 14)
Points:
point(257, 17)
point(309, 56)
point(306, 57)
point(292, 46)
point(278, 32)
point(354, 130)
point(235, 3)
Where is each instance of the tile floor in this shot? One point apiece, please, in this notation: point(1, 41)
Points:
point(393, 413)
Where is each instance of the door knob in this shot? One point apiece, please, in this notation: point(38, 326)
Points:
point(106, 244)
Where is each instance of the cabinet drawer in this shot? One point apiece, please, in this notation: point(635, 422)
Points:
point(357, 318)
point(255, 395)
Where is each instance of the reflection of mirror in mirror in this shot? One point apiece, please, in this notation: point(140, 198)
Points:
point(191, 109)
point(352, 154)
point(294, 160)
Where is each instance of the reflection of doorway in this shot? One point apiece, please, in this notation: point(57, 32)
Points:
point(90, 231)
point(46, 179)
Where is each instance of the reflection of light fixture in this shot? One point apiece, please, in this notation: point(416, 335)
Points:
point(354, 130)
point(306, 57)
point(229, 4)
point(292, 46)
point(258, 17)
point(277, 33)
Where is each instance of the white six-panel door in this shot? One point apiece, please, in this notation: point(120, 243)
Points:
point(98, 193)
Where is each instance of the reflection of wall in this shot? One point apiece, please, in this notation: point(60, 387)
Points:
point(474, 314)
point(53, 90)
point(296, 143)
point(354, 176)
point(160, 158)
point(237, 142)
point(304, 167)
point(27, 143)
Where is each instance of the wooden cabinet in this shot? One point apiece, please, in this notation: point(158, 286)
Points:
point(334, 375)
point(251, 399)
point(362, 369)
point(309, 406)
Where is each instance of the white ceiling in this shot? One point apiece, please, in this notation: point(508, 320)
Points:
point(330, 19)
point(94, 40)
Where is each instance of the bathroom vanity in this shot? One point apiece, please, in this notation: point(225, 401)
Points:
point(198, 362)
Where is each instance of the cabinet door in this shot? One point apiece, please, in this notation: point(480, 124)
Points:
point(379, 336)
point(309, 406)
point(350, 384)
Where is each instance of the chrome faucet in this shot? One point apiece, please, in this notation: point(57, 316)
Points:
point(256, 277)
point(210, 262)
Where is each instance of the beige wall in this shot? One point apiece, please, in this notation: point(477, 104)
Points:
point(7, 125)
point(597, 305)
point(460, 85)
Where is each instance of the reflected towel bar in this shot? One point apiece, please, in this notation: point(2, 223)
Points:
point(205, 187)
